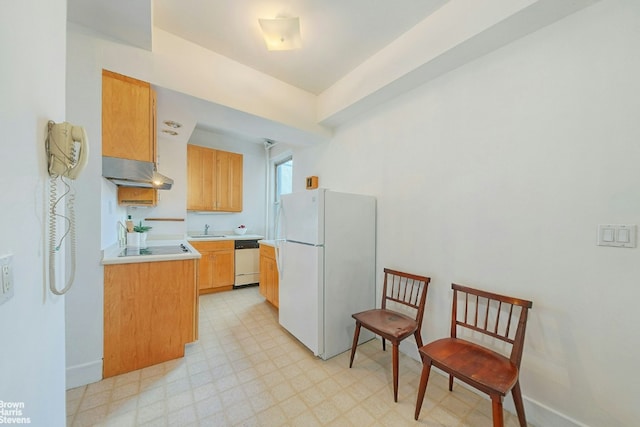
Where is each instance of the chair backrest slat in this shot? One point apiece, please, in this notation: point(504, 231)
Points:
point(495, 331)
point(509, 322)
point(499, 312)
point(454, 314)
point(406, 287)
point(408, 290)
point(486, 317)
point(394, 287)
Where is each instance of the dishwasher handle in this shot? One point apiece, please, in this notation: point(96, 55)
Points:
point(247, 244)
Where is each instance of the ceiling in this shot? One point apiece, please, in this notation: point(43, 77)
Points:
point(337, 35)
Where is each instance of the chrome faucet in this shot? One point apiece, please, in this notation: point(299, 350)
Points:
point(206, 229)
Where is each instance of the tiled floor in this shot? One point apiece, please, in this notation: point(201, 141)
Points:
point(245, 370)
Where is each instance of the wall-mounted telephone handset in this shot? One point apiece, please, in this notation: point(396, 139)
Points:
point(66, 149)
point(67, 155)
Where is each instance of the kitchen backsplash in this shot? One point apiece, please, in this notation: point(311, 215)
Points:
point(220, 223)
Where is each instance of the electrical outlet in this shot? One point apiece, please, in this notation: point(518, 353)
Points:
point(6, 278)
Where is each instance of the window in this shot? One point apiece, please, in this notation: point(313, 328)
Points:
point(284, 178)
point(280, 182)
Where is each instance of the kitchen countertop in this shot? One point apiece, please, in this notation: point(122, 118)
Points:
point(225, 237)
point(110, 254)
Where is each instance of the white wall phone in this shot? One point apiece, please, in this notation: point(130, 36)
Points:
point(67, 155)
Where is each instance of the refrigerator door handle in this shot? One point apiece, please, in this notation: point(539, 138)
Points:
point(279, 262)
point(278, 233)
point(279, 239)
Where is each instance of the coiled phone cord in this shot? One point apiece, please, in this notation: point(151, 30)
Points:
point(70, 231)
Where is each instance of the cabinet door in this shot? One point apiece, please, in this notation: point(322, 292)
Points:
point(128, 113)
point(150, 312)
point(214, 180)
point(205, 272)
point(276, 286)
point(264, 275)
point(269, 274)
point(135, 196)
point(195, 185)
point(200, 178)
point(272, 280)
point(222, 263)
point(217, 264)
point(216, 270)
point(228, 181)
point(153, 123)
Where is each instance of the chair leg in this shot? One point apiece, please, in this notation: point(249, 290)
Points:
point(424, 378)
point(356, 334)
point(496, 409)
point(419, 343)
point(395, 371)
point(383, 344)
point(517, 399)
point(450, 382)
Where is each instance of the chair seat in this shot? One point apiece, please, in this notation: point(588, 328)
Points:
point(473, 364)
point(387, 323)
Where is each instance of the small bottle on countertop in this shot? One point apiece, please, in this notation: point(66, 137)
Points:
point(129, 224)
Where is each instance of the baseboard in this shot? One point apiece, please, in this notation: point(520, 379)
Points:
point(84, 374)
point(538, 414)
point(541, 415)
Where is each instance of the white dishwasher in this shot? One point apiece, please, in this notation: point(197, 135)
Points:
point(247, 263)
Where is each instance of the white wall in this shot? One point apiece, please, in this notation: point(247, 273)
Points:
point(172, 162)
point(96, 218)
point(496, 175)
point(32, 83)
point(253, 203)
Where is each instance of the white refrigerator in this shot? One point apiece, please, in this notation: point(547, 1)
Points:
point(326, 259)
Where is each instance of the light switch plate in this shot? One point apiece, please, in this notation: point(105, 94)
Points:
point(617, 235)
point(6, 278)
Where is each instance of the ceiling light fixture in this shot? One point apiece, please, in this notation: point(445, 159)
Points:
point(281, 33)
point(170, 132)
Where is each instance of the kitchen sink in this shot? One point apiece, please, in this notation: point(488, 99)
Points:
point(204, 236)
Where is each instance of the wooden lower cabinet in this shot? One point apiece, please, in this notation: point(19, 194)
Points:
point(269, 274)
point(150, 313)
point(217, 265)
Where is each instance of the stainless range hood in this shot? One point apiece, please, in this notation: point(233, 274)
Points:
point(134, 173)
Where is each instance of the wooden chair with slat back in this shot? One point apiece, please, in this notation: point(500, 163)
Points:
point(488, 315)
point(401, 291)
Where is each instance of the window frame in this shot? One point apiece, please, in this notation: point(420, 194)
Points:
point(276, 184)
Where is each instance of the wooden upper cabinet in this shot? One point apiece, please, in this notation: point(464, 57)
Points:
point(136, 196)
point(200, 189)
point(214, 180)
point(229, 181)
point(153, 123)
point(128, 118)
